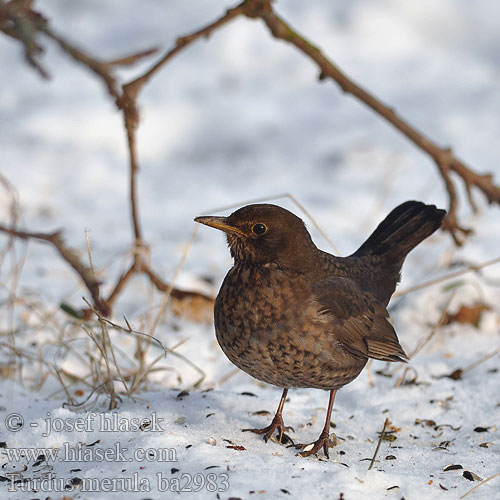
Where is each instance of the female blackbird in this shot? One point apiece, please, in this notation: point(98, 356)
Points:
point(292, 315)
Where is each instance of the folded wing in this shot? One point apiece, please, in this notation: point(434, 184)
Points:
point(359, 321)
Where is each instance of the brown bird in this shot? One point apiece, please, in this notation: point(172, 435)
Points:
point(292, 315)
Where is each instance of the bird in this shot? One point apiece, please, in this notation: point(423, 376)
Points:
point(294, 316)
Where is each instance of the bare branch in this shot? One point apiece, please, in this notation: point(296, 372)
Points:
point(14, 22)
point(128, 104)
point(19, 20)
point(176, 293)
point(131, 89)
point(443, 157)
point(132, 59)
point(120, 284)
point(100, 68)
point(24, 25)
point(70, 256)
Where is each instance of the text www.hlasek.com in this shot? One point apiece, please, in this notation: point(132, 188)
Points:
point(87, 453)
point(186, 482)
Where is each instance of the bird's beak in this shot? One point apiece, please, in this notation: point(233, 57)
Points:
point(219, 223)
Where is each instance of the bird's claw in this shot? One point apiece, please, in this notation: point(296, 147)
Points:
point(324, 441)
point(276, 424)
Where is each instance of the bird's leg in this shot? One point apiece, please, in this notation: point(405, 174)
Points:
point(324, 440)
point(276, 424)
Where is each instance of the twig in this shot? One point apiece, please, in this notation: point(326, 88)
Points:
point(175, 293)
point(101, 69)
point(120, 285)
point(132, 58)
point(166, 350)
point(89, 253)
point(129, 330)
point(131, 89)
point(22, 29)
point(458, 373)
point(382, 434)
point(17, 262)
point(472, 267)
point(102, 348)
point(426, 339)
point(407, 369)
point(86, 273)
point(368, 370)
point(168, 292)
point(229, 375)
point(481, 360)
point(480, 484)
point(69, 255)
point(443, 157)
point(436, 327)
point(27, 21)
point(128, 104)
point(107, 341)
point(316, 225)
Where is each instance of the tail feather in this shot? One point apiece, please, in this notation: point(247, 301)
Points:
point(402, 230)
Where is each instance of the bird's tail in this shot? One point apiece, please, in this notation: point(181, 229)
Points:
point(402, 230)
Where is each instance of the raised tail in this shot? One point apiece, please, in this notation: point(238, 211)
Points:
point(401, 231)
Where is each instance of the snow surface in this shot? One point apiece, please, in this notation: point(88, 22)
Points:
point(232, 119)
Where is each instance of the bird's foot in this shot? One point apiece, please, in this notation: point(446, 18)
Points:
point(276, 424)
point(324, 441)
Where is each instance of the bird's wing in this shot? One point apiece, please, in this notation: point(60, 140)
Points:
point(359, 322)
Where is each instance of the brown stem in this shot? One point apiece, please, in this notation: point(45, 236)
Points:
point(443, 157)
point(22, 29)
point(131, 58)
point(132, 88)
point(101, 69)
point(26, 24)
point(120, 285)
point(128, 104)
point(69, 255)
point(103, 307)
point(131, 123)
point(380, 438)
point(176, 293)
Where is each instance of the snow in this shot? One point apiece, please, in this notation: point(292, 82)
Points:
point(232, 119)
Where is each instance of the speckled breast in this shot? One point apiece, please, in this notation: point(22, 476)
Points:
point(268, 324)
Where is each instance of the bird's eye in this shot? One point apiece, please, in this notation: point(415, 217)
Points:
point(259, 229)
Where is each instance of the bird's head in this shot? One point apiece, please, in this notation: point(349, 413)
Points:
point(264, 234)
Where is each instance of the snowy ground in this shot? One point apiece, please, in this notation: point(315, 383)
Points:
point(233, 119)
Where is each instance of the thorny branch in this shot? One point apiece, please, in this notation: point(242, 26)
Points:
point(18, 20)
point(443, 157)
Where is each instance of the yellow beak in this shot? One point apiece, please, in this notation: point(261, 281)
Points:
point(219, 223)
